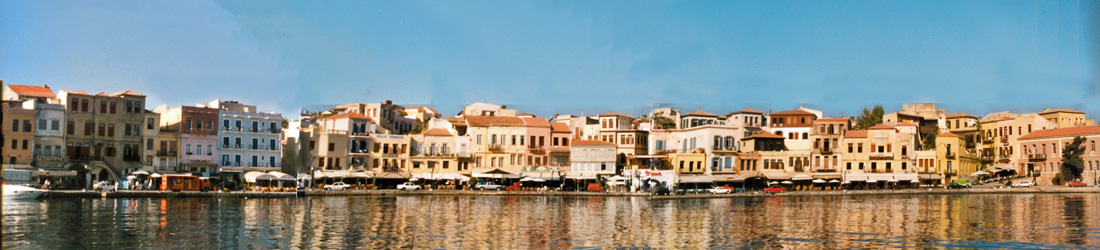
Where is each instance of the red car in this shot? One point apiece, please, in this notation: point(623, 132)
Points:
point(1077, 184)
point(775, 189)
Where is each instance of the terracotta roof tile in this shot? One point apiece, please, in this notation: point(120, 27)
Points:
point(856, 134)
point(32, 91)
point(947, 134)
point(1060, 110)
point(127, 92)
point(590, 143)
point(841, 119)
point(748, 110)
point(536, 122)
point(882, 126)
point(906, 124)
point(559, 127)
point(1062, 132)
point(793, 112)
point(486, 121)
point(437, 132)
point(79, 92)
point(764, 134)
point(700, 113)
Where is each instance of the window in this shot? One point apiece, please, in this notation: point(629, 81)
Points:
point(84, 105)
point(88, 128)
point(210, 125)
point(26, 125)
point(860, 148)
point(55, 125)
point(148, 144)
point(42, 124)
point(70, 126)
point(15, 125)
point(110, 130)
point(113, 107)
point(849, 166)
point(331, 147)
point(74, 105)
point(102, 130)
point(103, 107)
point(849, 149)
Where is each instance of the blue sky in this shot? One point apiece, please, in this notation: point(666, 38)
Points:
point(567, 57)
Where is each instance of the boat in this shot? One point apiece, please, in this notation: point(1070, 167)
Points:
point(16, 192)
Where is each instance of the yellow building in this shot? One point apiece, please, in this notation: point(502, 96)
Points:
point(1066, 118)
point(18, 134)
point(952, 157)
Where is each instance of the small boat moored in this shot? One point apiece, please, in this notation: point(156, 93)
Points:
point(16, 192)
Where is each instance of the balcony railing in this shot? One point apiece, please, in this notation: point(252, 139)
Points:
point(463, 155)
point(987, 140)
point(881, 156)
point(537, 150)
point(49, 158)
point(166, 153)
point(950, 155)
point(496, 147)
point(1037, 157)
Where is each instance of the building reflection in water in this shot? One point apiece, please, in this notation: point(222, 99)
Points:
point(461, 222)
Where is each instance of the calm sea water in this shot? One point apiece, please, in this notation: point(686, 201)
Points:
point(505, 222)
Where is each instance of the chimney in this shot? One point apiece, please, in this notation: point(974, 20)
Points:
point(388, 102)
point(503, 106)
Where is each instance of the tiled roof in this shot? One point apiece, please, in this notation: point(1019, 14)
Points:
point(764, 134)
point(906, 124)
point(559, 127)
point(947, 134)
point(615, 114)
point(882, 126)
point(32, 91)
point(1083, 130)
point(79, 92)
point(856, 134)
point(793, 112)
point(748, 110)
point(348, 115)
point(536, 122)
point(1048, 111)
point(700, 113)
point(437, 132)
point(455, 120)
point(486, 121)
point(960, 115)
point(590, 143)
point(841, 119)
point(422, 107)
point(127, 92)
point(526, 114)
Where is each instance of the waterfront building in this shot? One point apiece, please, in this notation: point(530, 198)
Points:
point(795, 127)
point(590, 159)
point(699, 118)
point(880, 154)
point(559, 149)
point(620, 129)
point(342, 142)
point(485, 109)
point(1044, 149)
point(198, 128)
point(248, 139)
point(18, 135)
point(1066, 118)
point(966, 127)
point(166, 145)
point(103, 133)
point(953, 159)
point(690, 169)
point(500, 142)
point(998, 150)
point(390, 118)
point(149, 135)
point(538, 146)
point(433, 156)
point(749, 121)
point(389, 158)
point(826, 135)
point(763, 155)
point(921, 114)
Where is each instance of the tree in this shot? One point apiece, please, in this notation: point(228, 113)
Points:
point(660, 121)
point(1072, 164)
point(869, 118)
point(929, 133)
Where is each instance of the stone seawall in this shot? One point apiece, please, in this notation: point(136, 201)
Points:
point(391, 192)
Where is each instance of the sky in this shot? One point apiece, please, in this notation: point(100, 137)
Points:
point(567, 57)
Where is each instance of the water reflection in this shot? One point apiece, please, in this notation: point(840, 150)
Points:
point(452, 222)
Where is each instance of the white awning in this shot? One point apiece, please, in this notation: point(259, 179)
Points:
point(258, 176)
point(699, 178)
point(497, 173)
point(778, 176)
point(802, 177)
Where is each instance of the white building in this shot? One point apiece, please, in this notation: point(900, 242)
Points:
point(249, 140)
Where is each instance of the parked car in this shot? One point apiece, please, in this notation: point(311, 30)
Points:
point(1077, 184)
point(775, 189)
point(1024, 184)
point(488, 186)
point(721, 190)
point(337, 186)
point(104, 186)
point(959, 184)
point(408, 186)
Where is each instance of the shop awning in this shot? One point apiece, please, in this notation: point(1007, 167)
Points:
point(778, 176)
point(696, 178)
point(394, 175)
point(258, 176)
point(54, 173)
point(580, 176)
point(801, 177)
point(930, 176)
point(728, 178)
point(497, 173)
point(827, 176)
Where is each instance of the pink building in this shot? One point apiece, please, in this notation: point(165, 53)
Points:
point(1042, 150)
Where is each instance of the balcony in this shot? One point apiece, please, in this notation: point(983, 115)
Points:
point(987, 140)
point(84, 158)
point(824, 150)
point(497, 148)
point(537, 150)
point(463, 155)
point(49, 158)
point(166, 153)
point(985, 158)
point(950, 155)
point(881, 156)
point(879, 171)
point(1037, 157)
point(1004, 139)
point(359, 151)
point(134, 158)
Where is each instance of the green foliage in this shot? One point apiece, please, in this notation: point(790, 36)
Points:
point(1072, 164)
point(663, 122)
point(929, 134)
point(869, 117)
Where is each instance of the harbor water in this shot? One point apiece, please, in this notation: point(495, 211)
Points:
point(1014, 221)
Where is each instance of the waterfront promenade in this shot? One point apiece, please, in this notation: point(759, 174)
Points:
point(392, 192)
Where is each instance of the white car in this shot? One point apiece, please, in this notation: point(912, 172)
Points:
point(720, 190)
point(488, 186)
point(1024, 184)
point(337, 186)
point(104, 186)
point(408, 186)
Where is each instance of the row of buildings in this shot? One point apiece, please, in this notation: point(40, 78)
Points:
point(87, 137)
